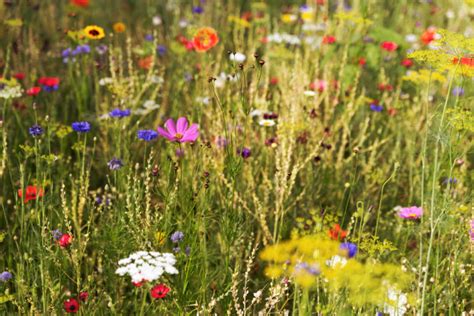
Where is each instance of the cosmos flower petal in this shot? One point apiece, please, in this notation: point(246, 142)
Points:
point(181, 125)
point(191, 134)
point(170, 126)
point(164, 133)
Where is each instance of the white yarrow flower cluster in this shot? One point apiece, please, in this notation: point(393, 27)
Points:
point(10, 92)
point(284, 38)
point(147, 266)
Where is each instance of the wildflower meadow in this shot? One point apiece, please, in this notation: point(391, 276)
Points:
point(236, 157)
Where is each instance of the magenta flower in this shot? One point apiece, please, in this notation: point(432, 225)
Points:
point(412, 212)
point(179, 132)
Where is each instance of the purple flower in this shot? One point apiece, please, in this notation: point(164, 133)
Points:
point(161, 50)
point(179, 132)
point(147, 134)
point(115, 164)
point(179, 152)
point(458, 91)
point(5, 276)
point(36, 130)
point(56, 234)
point(187, 251)
point(198, 10)
point(81, 127)
point(177, 236)
point(84, 49)
point(303, 266)
point(119, 113)
point(412, 212)
point(472, 230)
point(149, 38)
point(349, 248)
point(101, 49)
point(66, 53)
point(176, 249)
point(221, 142)
point(376, 108)
point(244, 152)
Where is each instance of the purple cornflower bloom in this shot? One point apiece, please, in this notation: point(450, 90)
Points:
point(81, 127)
point(376, 108)
point(101, 49)
point(221, 142)
point(458, 91)
point(177, 236)
point(176, 249)
point(244, 152)
point(187, 251)
point(36, 130)
point(115, 164)
point(179, 132)
point(198, 9)
point(161, 50)
point(412, 212)
point(83, 49)
point(147, 134)
point(349, 248)
point(5, 276)
point(119, 113)
point(56, 234)
point(149, 38)
point(307, 268)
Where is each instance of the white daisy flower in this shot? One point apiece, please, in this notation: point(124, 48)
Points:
point(266, 123)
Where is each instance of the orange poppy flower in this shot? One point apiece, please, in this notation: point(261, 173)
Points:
point(145, 63)
point(466, 61)
point(205, 38)
point(337, 233)
point(80, 3)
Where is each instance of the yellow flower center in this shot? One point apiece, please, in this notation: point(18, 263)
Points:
point(178, 136)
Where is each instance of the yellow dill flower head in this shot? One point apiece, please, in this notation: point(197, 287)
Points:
point(94, 32)
point(288, 18)
point(238, 21)
point(119, 27)
point(352, 17)
point(424, 76)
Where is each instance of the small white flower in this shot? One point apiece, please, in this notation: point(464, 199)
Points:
point(266, 123)
point(256, 112)
point(156, 20)
point(183, 23)
point(105, 81)
point(336, 260)
point(411, 38)
point(237, 57)
point(151, 105)
point(10, 92)
point(397, 305)
point(309, 93)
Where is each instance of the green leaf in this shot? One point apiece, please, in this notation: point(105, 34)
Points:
point(382, 34)
point(6, 298)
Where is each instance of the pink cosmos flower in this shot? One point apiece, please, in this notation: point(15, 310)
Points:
point(412, 212)
point(179, 132)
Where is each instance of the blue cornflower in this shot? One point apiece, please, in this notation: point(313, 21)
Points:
point(458, 91)
point(350, 248)
point(56, 234)
point(376, 108)
point(119, 113)
point(308, 268)
point(244, 152)
point(84, 49)
point(81, 127)
point(177, 236)
point(36, 130)
point(66, 53)
point(161, 50)
point(149, 38)
point(115, 164)
point(198, 10)
point(5, 276)
point(147, 134)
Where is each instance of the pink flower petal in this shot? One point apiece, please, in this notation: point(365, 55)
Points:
point(181, 125)
point(170, 126)
point(165, 134)
point(191, 134)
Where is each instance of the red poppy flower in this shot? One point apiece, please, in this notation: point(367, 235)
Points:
point(385, 87)
point(31, 193)
point(80, 3)
point(71, 305)
point(337, 233)
point(407, 63)
point(19, 76)
point(274, 81)
point(33, 91)
point(362, 61)
point(49, 81)
point(204, 39)
point(83, 296)
point(467, 61)
point(65, 240)
point(389, 46)
point(328, 39)
point(428, 36)
point(139, 284)
point(392, 111)
point(159, 291)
